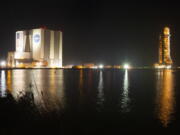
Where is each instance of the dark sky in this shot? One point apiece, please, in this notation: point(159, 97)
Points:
point(97, 31)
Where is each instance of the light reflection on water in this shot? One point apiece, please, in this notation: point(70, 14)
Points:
point(125, 94)
point(165, 100)
point(50, 89)
point(100, 89)
point(3, 84)
point(9, 80)
point(81, 81)
point(20, 81)
point(47, 87)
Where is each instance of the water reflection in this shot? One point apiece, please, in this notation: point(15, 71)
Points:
point(165, 100)
point(19, 83)
point(36, 80)
point(49, 89)
point(125, 95)
point(100, 89)
point(81, 81)
point(90, 80)
point(45, 86)
point(3, 84)
point(9, 81)
point(60, 89)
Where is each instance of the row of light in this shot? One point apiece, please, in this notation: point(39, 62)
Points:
point(101, 66)
point(126, 66)
point(163, 66)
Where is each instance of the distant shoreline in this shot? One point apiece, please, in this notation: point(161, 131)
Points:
point(89, 68)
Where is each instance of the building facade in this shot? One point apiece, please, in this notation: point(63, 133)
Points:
point(38, 47)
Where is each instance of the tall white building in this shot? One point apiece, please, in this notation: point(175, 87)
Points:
point(40, 46)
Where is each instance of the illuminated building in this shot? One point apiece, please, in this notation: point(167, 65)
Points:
point(37, 47)
point(164, 48)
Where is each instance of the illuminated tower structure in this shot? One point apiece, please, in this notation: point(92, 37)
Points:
point(164, 48)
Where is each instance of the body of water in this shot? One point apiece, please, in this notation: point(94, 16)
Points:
point(89, 101)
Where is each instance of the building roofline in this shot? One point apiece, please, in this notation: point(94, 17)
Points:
point(42, 28)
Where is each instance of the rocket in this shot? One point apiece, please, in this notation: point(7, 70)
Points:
point(164, 47)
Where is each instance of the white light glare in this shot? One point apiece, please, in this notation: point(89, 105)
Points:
point(3, 63)
point(126, 66)
point(94, 67)
point(101, 66)
point(168, 67)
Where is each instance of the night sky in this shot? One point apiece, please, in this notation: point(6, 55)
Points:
point(97, 31)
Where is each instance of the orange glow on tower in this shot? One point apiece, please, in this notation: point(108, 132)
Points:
point(164, 47)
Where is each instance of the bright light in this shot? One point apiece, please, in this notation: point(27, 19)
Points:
point(17, 63)
point(52, 65)
point(168, 67)
point(39, 64)
point(126, 66)
point(160, 66)
point(94, 67)
point(163, 66)
point(101, 66)
point(3, 63)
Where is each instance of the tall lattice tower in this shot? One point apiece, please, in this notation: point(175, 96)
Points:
point(164, 47)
